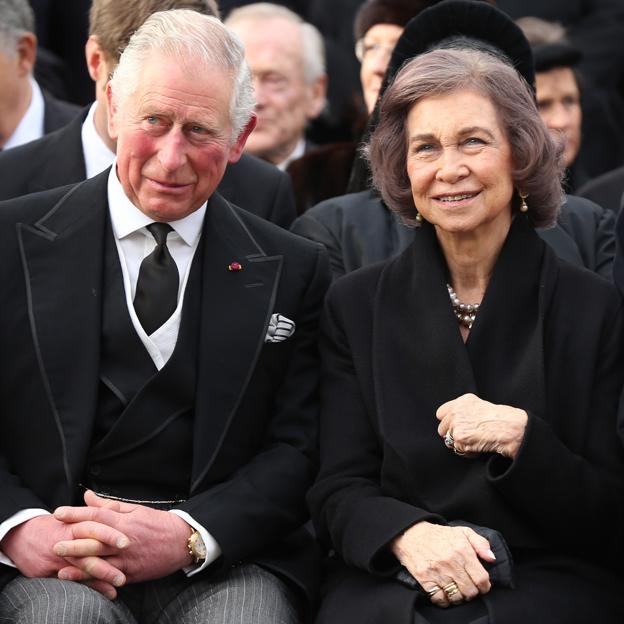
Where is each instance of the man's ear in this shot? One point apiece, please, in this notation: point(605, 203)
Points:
point(96, 59)
point(113, 113)
point(26, 53)
point(317, 97)
point(238, 146)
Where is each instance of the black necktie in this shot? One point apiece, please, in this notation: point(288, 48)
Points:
point(156, 295)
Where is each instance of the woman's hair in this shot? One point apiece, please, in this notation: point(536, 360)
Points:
point(537, 165)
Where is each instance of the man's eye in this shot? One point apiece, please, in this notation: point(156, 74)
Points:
point(152, 120)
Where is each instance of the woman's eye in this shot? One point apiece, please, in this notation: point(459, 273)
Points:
point(474, 141)
point(424, 148)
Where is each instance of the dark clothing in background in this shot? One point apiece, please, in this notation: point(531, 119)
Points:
point(63, 28)
point(57, 114)
point(606, 190)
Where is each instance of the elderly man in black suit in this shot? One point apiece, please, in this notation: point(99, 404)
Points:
point(163, 365)
point(26, 112)
point(84, 148)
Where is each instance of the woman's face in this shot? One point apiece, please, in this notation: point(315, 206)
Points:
point(459, 163)
point(375, 51)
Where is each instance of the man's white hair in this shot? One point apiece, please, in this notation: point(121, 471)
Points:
point(198, 42)
point(313, 48)
point(16, 19)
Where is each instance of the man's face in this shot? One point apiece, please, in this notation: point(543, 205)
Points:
point(285, 102)
point(559, 103)
point(174, 138)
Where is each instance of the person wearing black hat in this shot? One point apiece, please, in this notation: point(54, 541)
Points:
point(324, 172)
point(357, 229)
point(558, 90)
point(469, 455)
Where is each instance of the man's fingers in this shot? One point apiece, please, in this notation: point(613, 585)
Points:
point(101, 532)
point(99, 569)
point(82, 548)
point(72, 573)
point(93, 500)
point(70, 515)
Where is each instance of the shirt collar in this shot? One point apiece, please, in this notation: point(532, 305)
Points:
point(296, 153)
point(126, 218)
point(31, 125)
point(97, 154)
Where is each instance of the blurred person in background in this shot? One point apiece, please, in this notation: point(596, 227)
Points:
point(26, 111)
point(287, 60)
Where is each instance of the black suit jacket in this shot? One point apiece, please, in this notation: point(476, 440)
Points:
point(57, 113)
point(255, 407)
point(358, 230)
point(606, 190)
point(57, 159)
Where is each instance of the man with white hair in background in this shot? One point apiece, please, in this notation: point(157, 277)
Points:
point(163, 349)
point(287, 60)
point(26, 112)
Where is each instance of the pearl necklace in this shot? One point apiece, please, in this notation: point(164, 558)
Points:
point(466, 313)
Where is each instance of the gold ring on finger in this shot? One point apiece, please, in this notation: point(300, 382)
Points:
point(457, 451)
point(451, 589)
point(434, 590)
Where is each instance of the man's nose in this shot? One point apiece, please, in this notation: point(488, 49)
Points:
point(260, 91)
point(172, 150)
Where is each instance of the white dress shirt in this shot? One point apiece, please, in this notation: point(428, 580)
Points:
point(97, 155)
point(134, 242)
point(31, 125)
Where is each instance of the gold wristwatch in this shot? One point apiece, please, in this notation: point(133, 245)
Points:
point(196, 547)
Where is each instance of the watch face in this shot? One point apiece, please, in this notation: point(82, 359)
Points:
point(198, 546)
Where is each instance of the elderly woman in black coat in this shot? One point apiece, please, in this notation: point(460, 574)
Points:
point(470, 467)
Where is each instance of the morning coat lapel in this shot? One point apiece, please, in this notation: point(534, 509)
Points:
point(62, 262)
point(236, 308)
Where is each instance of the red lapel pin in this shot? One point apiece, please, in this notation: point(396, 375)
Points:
point(235, 266)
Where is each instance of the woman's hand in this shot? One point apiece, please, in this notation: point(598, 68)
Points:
point(477, 426)
point(440, 556)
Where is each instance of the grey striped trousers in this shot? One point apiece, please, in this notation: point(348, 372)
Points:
point(247, 594)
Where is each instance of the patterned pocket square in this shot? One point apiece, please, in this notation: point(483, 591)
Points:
point(280, 328)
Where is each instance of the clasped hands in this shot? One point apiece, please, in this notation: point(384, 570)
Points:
point(104, 544)
point(478, 426)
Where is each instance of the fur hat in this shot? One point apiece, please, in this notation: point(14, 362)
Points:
point(468, 20)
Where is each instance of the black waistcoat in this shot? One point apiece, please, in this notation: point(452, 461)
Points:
point(142, 439)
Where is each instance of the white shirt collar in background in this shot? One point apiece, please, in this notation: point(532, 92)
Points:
point(97, 155)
